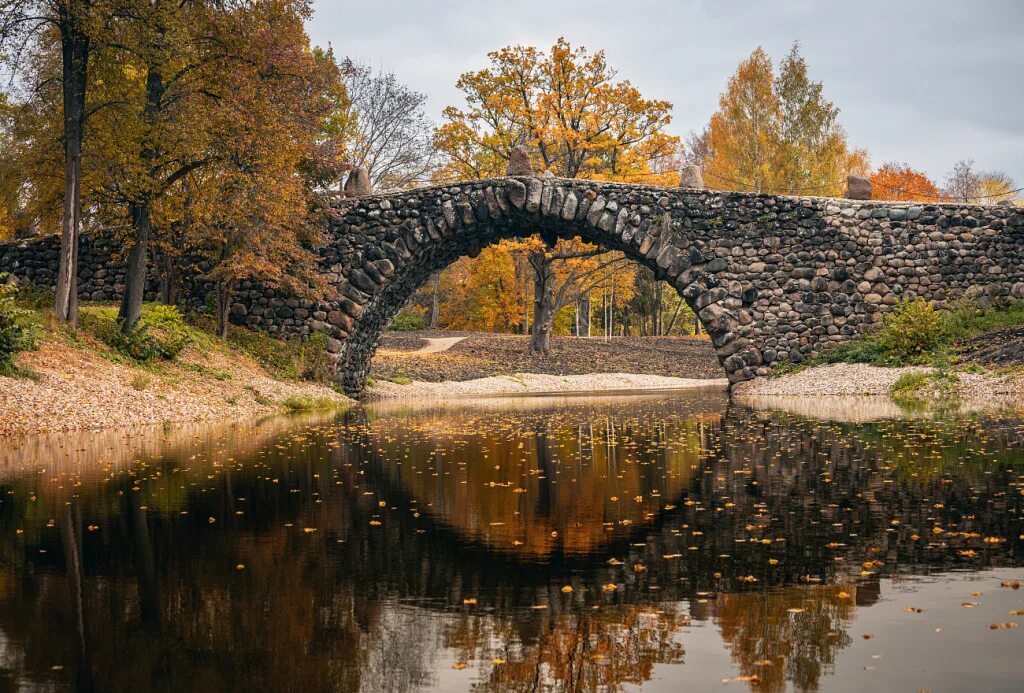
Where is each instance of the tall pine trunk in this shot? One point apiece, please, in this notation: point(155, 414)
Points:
point(74, 73)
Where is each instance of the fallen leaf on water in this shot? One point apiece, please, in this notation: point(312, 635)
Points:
point(459, 665)
point(998, 626)
point(469, 600)
point(567, 589)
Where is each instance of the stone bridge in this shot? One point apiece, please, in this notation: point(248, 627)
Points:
point(772, 278)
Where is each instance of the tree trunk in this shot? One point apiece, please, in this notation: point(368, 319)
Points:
point(224, 294)
point(74, 72)
point(141, 211)
point(584, 316)
point(543, 303)
point(672, 322)
point(135, 280)
point(170, 278)
point(657, 309)
point(435, 299)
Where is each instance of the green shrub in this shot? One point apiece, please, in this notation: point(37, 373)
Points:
point(407, 320)
point(167, 324)
point(313, 363)
point(911, 331)
point(16, 334)
point(160, 334)
point(287, 359)
point(909, 385)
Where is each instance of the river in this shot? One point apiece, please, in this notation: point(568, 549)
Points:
point(669, 542)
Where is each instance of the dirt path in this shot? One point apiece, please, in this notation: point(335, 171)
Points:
point(434, 345)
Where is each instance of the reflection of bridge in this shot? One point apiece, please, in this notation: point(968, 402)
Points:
point(819, 500)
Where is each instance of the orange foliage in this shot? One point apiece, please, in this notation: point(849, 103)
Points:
point(899, 182)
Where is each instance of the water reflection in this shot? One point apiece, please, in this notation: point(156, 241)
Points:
point(527, 545)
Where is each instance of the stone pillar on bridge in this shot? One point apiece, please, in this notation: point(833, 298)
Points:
point(519, 163)
point(358, 183)
point(690, 177)
point(858, 188)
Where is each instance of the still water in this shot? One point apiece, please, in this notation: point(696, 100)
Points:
point(667, 542)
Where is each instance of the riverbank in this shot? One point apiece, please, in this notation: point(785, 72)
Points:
point(537, 384)
point(907, 383)
point(76, 381)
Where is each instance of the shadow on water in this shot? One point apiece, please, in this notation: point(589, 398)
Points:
point(531, 544)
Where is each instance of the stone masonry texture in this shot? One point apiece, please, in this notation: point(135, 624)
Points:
point(772, 278)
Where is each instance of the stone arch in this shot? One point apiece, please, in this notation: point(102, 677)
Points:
point(773, 278)
point(396, 242)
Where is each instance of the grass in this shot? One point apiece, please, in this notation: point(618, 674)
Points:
point(141, 381)
point(303, 403)
point(916, 386)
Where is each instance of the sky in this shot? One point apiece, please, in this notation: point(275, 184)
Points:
point(927, 83)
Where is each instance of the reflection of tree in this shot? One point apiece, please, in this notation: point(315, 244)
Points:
point(792, 634)
point(572, 651)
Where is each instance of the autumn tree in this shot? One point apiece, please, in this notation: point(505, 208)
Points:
point(777, 133)
point(270, 151)
point(188, 81)
point(392, 137)
point(566, 107)
point(963, 182)
point(899, 182)
point(26, 28)
point(966, 184)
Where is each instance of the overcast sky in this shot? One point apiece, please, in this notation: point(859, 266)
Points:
point(922, 82)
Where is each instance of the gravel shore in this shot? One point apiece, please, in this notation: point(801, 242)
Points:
point(535, 383)
point(78, 389)
point(845, 379)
